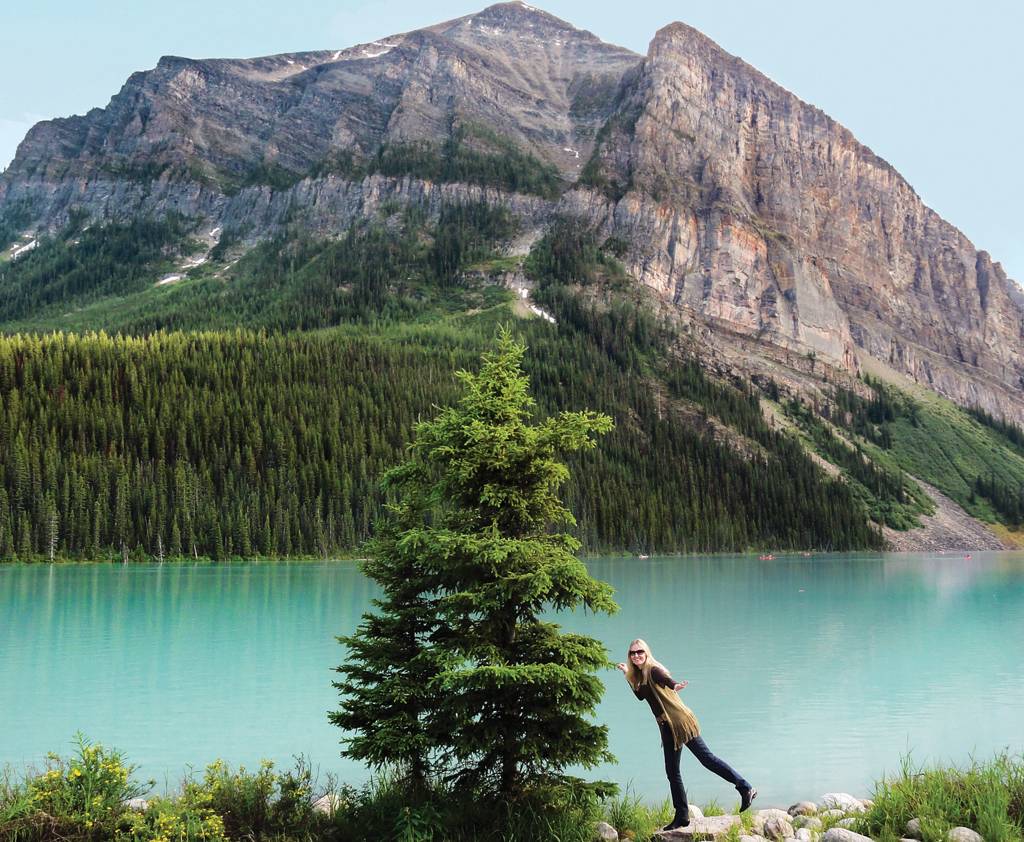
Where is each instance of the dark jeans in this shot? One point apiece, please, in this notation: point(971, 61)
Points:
point(707, 760)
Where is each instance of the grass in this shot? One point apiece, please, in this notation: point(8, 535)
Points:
point(986, 797)
point(633, 818)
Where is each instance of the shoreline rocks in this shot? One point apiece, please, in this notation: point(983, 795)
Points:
point(832, 818)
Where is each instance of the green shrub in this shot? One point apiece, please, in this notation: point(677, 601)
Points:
point(256, 804)
point(185, 819)
point(82, 798)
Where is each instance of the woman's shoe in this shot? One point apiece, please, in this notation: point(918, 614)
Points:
point(746, 796)
point(681, 819)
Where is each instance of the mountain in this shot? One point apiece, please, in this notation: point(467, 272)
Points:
point(788, 338)
point(742, 206)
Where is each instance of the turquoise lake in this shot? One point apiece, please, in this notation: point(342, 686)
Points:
point(808, 675)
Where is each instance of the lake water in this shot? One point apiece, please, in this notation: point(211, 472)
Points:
point(807, 674)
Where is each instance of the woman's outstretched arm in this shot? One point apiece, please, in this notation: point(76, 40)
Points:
point(665, 680)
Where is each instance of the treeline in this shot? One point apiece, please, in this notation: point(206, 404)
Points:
point(211, 444)
point(244, 443)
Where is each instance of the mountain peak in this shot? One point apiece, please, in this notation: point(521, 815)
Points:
point(515, 17)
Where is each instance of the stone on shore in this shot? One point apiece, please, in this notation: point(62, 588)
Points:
point(139, 805)
point(843, 801)
point(606, 832)
point(808, 822)
point(803, 808)
point(761, 818)
point(701, 830)
point(842, 834)
point(963, 834)
point(777, 828)
point(913, 829)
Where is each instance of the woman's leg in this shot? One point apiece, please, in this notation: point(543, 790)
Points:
point(716, 764)
point(675, 779)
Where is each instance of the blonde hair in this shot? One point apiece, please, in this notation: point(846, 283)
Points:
point(639, 677)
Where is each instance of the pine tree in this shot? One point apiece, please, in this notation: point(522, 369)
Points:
point(469, 563)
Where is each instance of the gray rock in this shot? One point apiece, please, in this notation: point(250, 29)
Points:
point(761, 817)
point(803, 808)
point(913, 829)
point(139, 805)
point(804, 835)
point(707, 828)
point(606, 832)
point(695, 813)
point(848, 822)
point(833, 813)
point(778, 828)
point(809, 822)
point(841, 834)
point(843, 801)
point(963, 834)
point(747, 838)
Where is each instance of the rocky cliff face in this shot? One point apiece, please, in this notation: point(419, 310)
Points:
point(760, 212)
point(743, 206)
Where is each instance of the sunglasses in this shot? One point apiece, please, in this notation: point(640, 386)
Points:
point(634, 652)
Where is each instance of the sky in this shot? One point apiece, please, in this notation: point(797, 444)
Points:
point(932, 86)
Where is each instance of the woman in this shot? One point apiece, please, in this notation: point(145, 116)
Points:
point(651, 682)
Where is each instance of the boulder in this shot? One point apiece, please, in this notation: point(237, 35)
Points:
point(848, 822)
point(913, 829)
point(833, 814)
point(808, 822)
point(762, 816)
point(777, 828)
point(139, 805)
point(606, 832)
point(804, 835)
point(747, 838)
point(843, 801)
point(842, 834)
point(803, 808)
point(695, 812)
point(701, 830)
point(963, 834)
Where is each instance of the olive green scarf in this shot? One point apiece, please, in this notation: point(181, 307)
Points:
point(680, 718)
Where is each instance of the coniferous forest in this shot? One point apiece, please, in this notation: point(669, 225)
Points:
point(252, 412)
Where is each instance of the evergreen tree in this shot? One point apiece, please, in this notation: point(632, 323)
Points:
point(458, 665)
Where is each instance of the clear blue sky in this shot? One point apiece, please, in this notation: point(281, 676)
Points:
point(933, 87)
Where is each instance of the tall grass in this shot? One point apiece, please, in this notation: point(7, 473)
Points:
point(986, 797)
